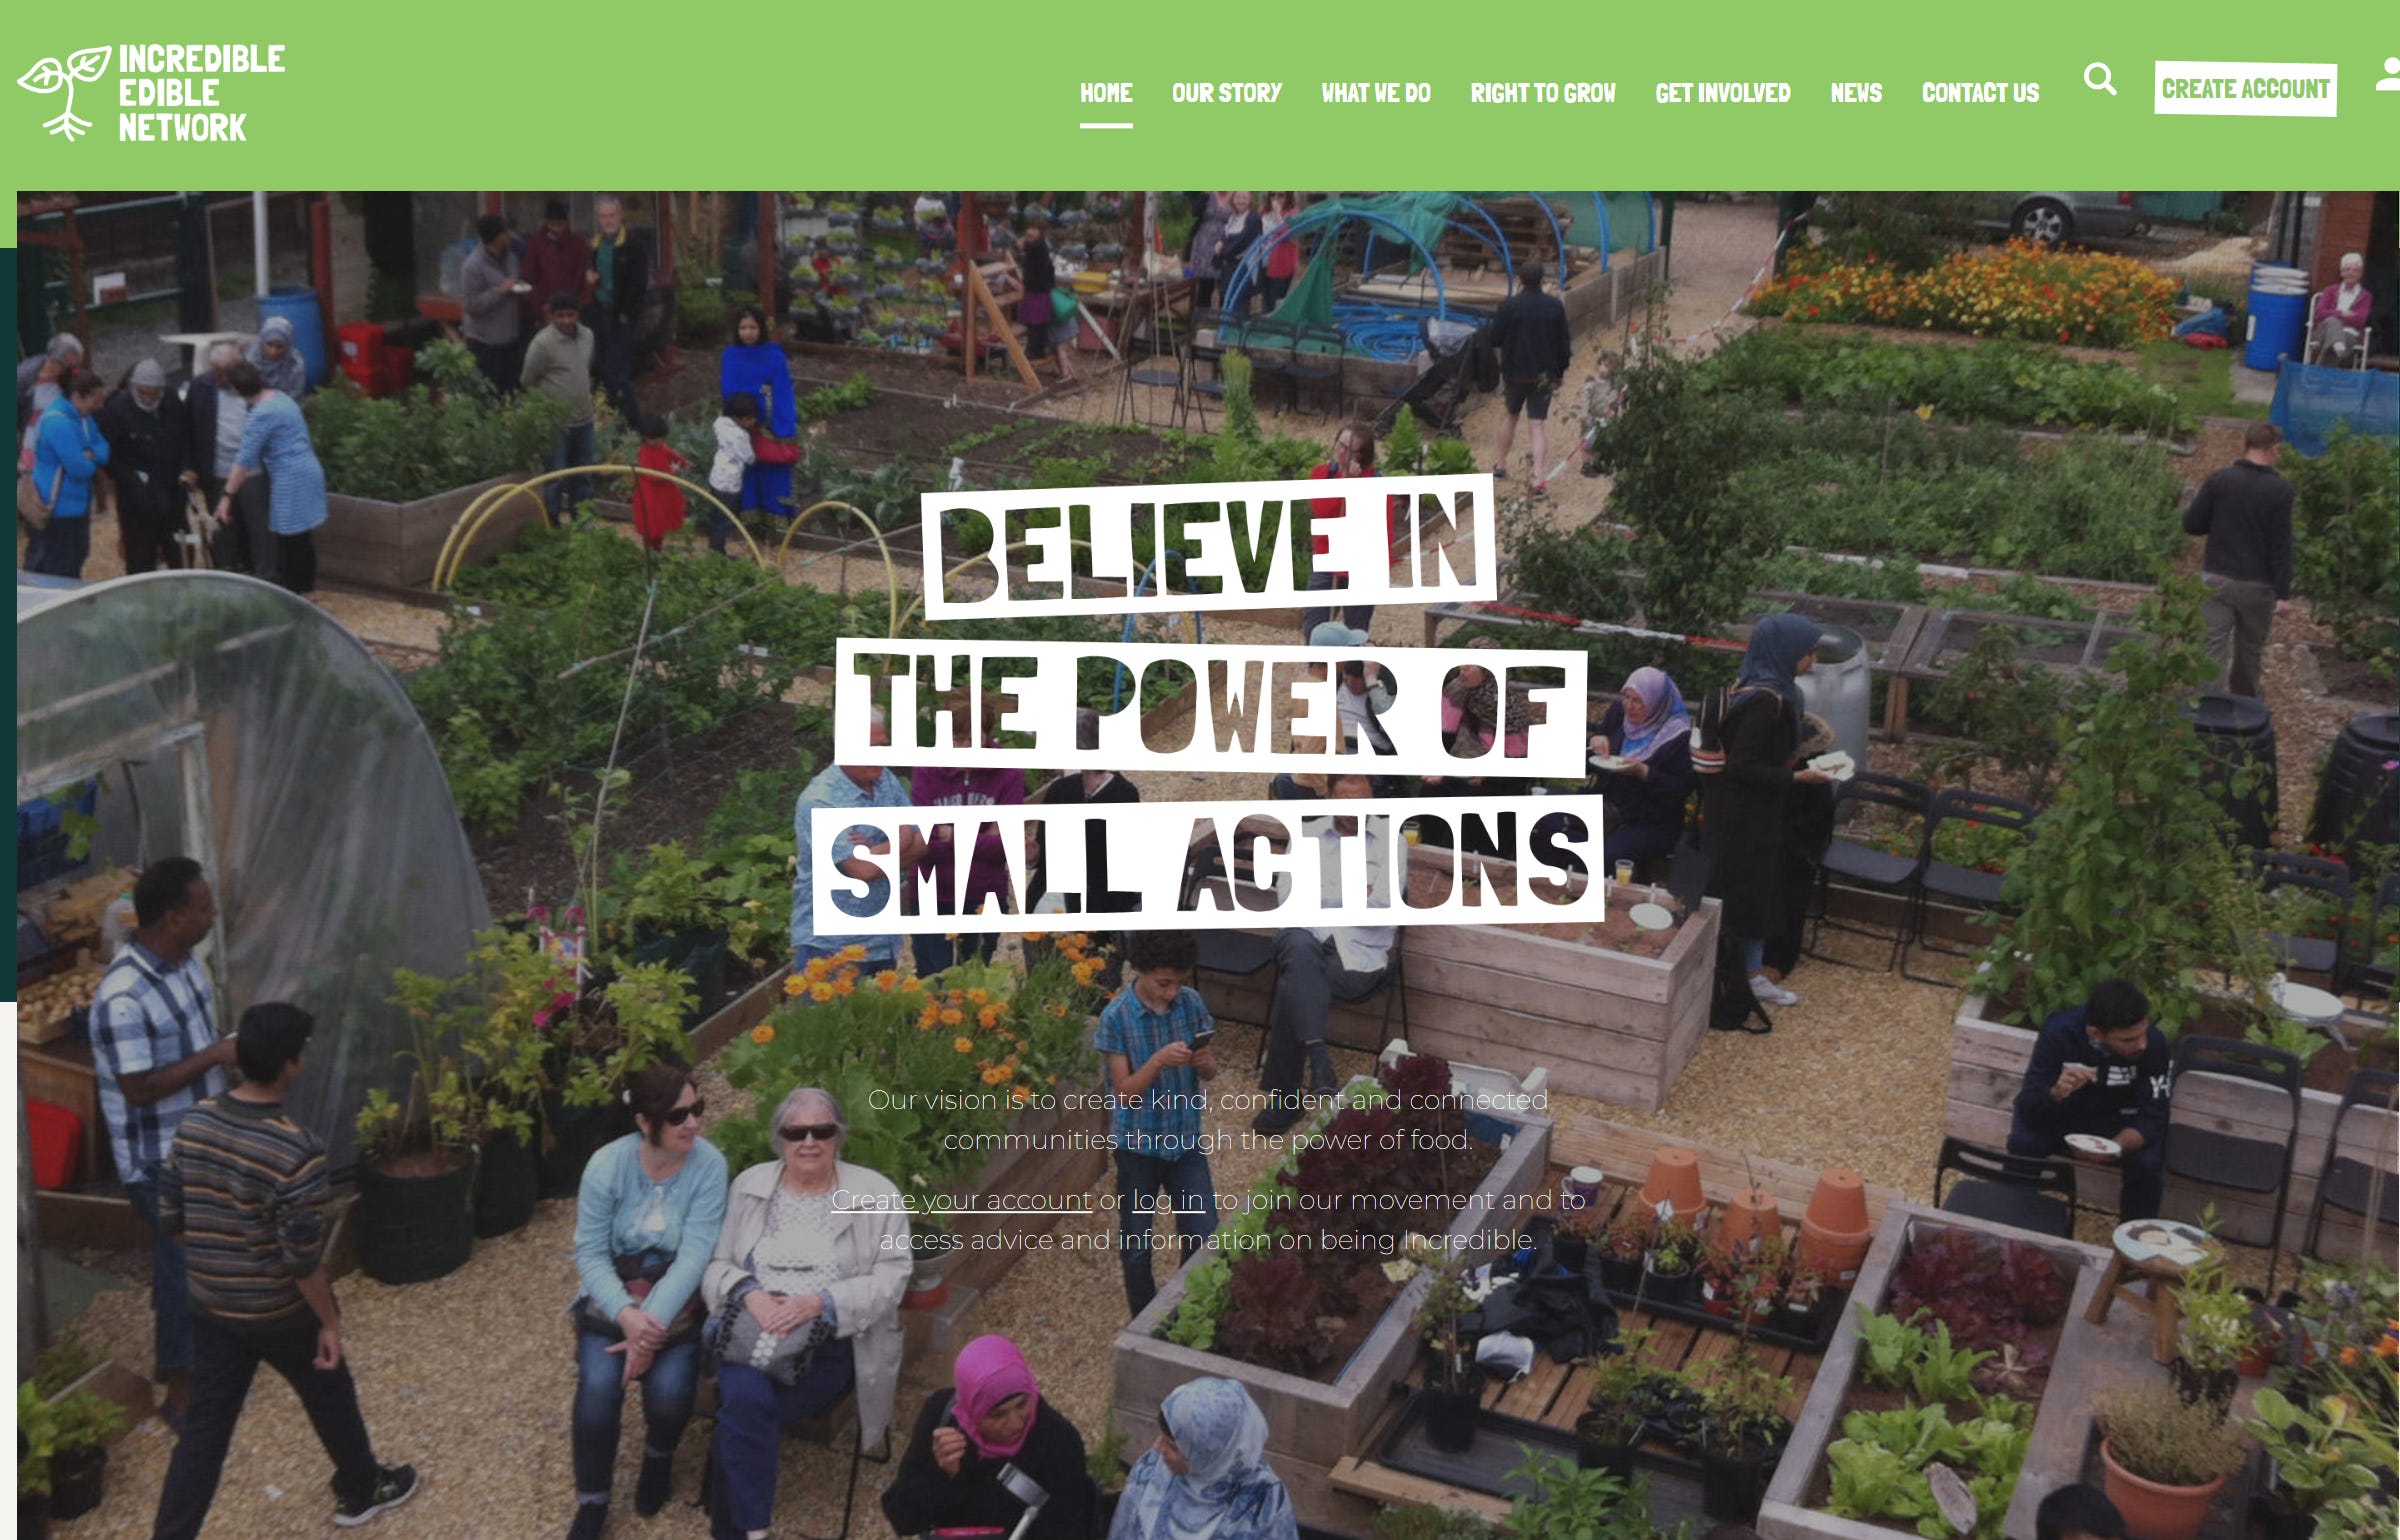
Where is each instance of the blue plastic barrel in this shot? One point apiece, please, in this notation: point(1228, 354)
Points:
point(2278, 316)
point(297, 303)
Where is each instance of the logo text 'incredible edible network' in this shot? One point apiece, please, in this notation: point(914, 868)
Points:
point(158, 76)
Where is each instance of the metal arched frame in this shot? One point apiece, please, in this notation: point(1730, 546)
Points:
point(1334, 215)
point(1496, 243)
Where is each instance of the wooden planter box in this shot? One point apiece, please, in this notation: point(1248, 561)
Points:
point(2086, 1355)
point(1311, 1426)
point(395, 545)
point(1987, 1066)
point(1610, 1025)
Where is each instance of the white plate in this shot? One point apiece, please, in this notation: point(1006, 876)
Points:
point(1838, 764)
point(1651, 917)
point(2093, 1144)
point(1610, 762)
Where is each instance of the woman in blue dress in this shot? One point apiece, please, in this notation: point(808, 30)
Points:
point(275, 440)
point(755, 363)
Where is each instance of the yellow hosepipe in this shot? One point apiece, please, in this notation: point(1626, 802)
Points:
point(488, 502)
point(918, 603)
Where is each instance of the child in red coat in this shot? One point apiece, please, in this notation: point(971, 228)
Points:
point(657, 505)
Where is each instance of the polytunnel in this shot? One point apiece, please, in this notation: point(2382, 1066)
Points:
point(215, 716)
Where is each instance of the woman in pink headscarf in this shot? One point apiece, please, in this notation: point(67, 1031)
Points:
point(990, 1419)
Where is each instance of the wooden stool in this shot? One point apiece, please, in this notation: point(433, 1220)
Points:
point(2135, 1263)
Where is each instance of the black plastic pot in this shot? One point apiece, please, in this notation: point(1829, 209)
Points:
point(1601, 1453)
point(2216, 1387)
point(698, 955)
point(2278, 1520)
point(1570, 1252)
point(1683, 1426)
point(1799, 1320)
point(1450, 1414)
point(33, 1516)
point(1620, 1277)
point(75, 1481)
point(415, 1228)
point(1666, 1288)
point(507, 1182)
point(574, 1133)
point(1732, 1490)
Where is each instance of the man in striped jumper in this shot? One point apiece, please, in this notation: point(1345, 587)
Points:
point(245, 1189)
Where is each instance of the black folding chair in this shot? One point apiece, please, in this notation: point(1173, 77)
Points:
point(709, 1474)
point(1950, 884)
point(1320, 356)
point(2034, 1193)
point(2275, 870)
point(2346, 1181)
point(2367, 972)
point(2197, 1152)
point(1211, 386)
point(1270, 347)
point(1864, 868)
point(1393, 987)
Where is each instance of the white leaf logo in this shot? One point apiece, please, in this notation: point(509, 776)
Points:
point(48, 76)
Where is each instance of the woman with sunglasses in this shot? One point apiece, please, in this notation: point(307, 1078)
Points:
point(646, 1223)
point(815, 1251)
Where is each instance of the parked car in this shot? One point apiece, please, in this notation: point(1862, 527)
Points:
point(2052, 217)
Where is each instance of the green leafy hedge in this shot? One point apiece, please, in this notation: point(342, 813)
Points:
point(1998, 382)
point(431, 438)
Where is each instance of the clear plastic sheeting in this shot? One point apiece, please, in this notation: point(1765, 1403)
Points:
point(274, 748)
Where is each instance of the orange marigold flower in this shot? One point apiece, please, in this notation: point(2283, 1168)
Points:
point(817, 968)
point(963, 1044)
point(846, 984)
point(820, 992)
point(952, 1016)
point(856, 951)
point(795, 985)
point(2349, 1357)
point(1020, 1095)
point(995, 1075)
point(1056, 1009)
point(763, 1033)
point(980, 996)
point(911, 984)
point(887, 981)
point(989, 1016)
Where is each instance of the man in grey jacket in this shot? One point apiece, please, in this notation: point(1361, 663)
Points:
point(493, 297)
point(559, 363)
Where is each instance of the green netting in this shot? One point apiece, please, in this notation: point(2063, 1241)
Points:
point(1628, 221)
point(1311, 300)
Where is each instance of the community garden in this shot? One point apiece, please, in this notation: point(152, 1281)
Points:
point(1950, 450)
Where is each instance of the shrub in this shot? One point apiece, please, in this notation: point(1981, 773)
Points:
point(2346, 524)
point(2154, 1434)
point(424, 441)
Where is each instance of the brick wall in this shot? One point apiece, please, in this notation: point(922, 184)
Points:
point(2342, 225)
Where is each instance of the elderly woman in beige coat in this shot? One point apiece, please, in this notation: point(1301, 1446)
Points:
point(813, 1249)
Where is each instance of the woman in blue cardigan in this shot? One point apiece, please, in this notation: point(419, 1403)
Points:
point(646, 1224)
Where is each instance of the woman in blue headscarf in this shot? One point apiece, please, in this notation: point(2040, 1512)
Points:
point(1206, 1478)
point(756, 364)
point(1649, 731)
point(277, 357)
point(1743, 812)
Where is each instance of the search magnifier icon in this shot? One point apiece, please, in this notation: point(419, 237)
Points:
point(2095, 75)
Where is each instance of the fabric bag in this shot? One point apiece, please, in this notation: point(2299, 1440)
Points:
point(30, 506)
point(640, 1273)
point(1036, 308)
point(734, 1337)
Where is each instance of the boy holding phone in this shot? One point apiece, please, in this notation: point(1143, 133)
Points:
point(1155, 1038)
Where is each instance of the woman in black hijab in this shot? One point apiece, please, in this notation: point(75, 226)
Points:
point(1744, 813)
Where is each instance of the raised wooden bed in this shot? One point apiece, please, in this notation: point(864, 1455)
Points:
point(395, 545)
point(1617, 1026)
point(1311, 1426)
point(2087, 1356)
point(1987, 1066)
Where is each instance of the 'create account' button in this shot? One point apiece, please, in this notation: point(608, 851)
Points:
point(2195, 89)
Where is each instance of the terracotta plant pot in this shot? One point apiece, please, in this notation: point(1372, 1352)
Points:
point(2155, 1512)
point(1839, 1205)
point(1749, 1216)
point(1836, 1254)
point(1675, 1179)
